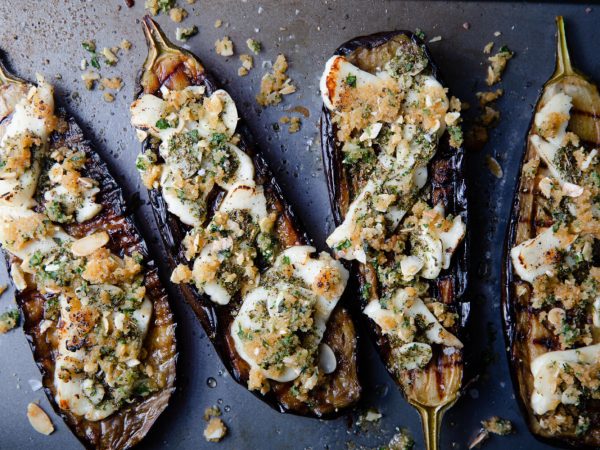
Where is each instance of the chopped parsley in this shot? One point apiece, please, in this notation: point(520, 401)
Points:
point(420, 33)
point(344, 245)
point(218, 139)
point(351, 80)
point(162, 124)
point(94, 62)
point(90, 46)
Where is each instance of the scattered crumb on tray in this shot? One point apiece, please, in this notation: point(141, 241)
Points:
point(493, 425)
point(9, 320)
point(182, 34)
point(254, 46)
point(224, 47)
point(402, 440)
point(218, 23)
point(275, 84)
point(488, 48)
point(215, 429)
point(294, 123)
point(498, 65)
point(247, 64)
point(178, 14)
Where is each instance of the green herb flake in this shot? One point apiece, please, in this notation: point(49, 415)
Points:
point(94, 62)
point(162, 124)
point(89, 46)
point(351, 80)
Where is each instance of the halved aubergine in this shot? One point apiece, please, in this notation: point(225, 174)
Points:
point(132, 419)
point(175, 68)
point(435, 387)
point(551, 330)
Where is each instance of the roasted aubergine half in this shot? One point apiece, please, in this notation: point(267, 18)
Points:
point(552, 263)
point(391, 140)
point(266, 299)
point(95, 314)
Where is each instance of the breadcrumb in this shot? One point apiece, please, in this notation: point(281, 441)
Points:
point(215, 430)
point(254, 46)
point(488, 48)
point(276, 84)
point(498, 65)
point(224, 47)
point(218, 23)
point(177, 14)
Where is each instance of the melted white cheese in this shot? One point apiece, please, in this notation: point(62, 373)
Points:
point(535, 257)
point(451, 239)
point(307, 269)
point(546, 369)
point(333, 81)
point(559, 104)
point(346, 230)
point(186, 211)
point(246, 198)
point(209, 253)
point(405, 305)
point(31, 114)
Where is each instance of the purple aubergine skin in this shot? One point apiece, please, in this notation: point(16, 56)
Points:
point(216, 319)
point(447, 181)
point(511, 307)
point(128, 426)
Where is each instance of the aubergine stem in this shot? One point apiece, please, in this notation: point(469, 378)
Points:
point(563, 67)
point(431, 420)
point(156, 40)
point(7, 78)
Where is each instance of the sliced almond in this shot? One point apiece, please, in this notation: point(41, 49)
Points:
point(89, 244)
point(18, 276)
point(39, 420)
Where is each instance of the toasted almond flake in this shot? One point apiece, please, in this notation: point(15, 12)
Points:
point(39, 420)
point(494, 166)
point(89, 244)
point(18, 276)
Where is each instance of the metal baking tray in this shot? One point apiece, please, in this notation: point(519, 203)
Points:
point(46, 37)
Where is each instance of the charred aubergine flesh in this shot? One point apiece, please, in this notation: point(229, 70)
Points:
point(391, 142)
point(552, 279)
point(268, 301)
point(94, 311)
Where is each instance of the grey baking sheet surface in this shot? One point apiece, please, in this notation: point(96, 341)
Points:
point(46, 37)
